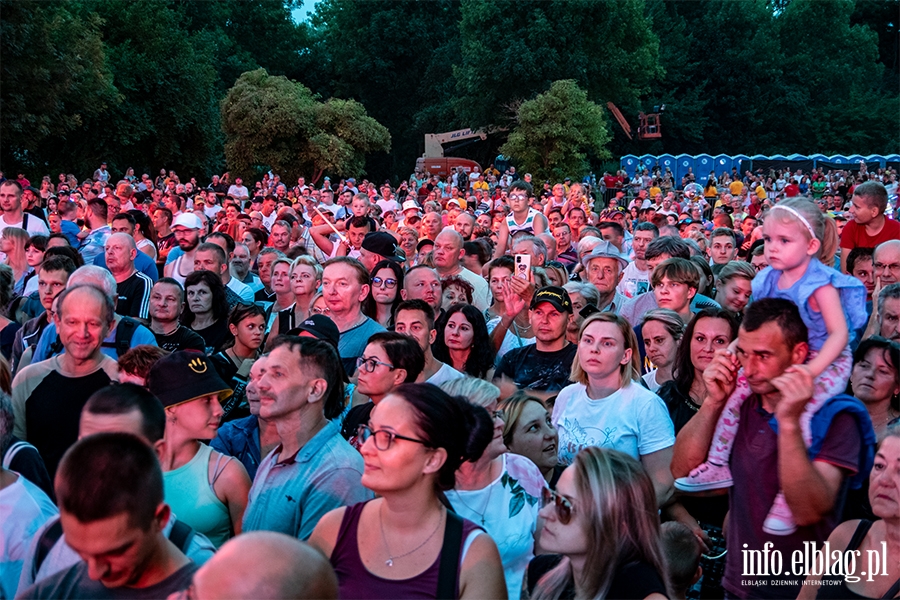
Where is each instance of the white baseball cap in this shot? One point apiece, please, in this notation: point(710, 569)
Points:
point(187, 220)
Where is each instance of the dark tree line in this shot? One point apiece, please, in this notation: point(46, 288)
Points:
point(140, 82)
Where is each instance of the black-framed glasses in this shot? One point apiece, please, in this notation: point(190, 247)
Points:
point(383, 437)
point(369, 364)
point(388, 282)
point(564, 508)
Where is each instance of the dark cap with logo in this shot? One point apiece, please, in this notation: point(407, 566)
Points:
point(555, 295)
point(381, 243)
point(185, 375)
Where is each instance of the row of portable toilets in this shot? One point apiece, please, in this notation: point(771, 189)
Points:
point(702, 164)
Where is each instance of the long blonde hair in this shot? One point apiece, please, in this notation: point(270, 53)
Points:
point(630, 371)
point(617, 502)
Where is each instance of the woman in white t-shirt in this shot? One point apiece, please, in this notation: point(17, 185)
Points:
point(499, 491)
point(609, 408)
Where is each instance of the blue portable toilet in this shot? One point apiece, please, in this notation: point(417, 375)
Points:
point(737, 160)
point(629, 163)
point(892, 158)
point(683, 163)
point(703, 164)
point(839, 159)
point(816, 158)
point(854, 159)
point(875, 158)
point(648, 161)
point(723, 164)
point(667, 161)
point(778, 157)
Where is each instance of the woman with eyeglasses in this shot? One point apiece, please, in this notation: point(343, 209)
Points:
point(499, 491)
point(305, 275)
point(601, 530)
point(405, 543)
point(389, 359)
point(384, 293)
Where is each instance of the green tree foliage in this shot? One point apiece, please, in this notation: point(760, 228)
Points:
point(513, 49)
point(274, 122)
point(55, 76)
point(557, 132)
point(394, 56)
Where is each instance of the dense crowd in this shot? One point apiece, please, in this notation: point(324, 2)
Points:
point(472, 386)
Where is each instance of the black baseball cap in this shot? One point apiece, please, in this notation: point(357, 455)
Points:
point(555, 295)
point(183, 376)
point(322, 328)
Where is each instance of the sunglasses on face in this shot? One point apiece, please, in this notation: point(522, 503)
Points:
point(564, 508)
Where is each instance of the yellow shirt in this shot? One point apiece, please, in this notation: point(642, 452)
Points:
point(761, 192)
point(654, 191)
point(481, 185)
point(736, 187)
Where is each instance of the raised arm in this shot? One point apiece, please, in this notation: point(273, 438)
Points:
point(693, 441)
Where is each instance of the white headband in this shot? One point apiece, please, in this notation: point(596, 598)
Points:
point(802, 219)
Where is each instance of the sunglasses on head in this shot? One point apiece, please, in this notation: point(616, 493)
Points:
point(564, 508)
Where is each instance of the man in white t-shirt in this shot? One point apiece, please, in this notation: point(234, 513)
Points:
point(239, 191)
point(13, 215)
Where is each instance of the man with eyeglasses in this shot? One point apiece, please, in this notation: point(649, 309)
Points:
point(886, 263)
point(313, 470)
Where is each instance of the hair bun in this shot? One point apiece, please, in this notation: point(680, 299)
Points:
point(479, 429)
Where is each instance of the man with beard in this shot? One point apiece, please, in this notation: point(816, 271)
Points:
point(187, 228)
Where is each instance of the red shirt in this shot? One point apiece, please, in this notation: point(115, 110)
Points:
point(855, 236)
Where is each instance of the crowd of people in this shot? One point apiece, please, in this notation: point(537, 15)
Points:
point(472, 386)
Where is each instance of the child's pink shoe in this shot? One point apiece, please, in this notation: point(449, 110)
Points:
point(708, 476)
point(780, 520)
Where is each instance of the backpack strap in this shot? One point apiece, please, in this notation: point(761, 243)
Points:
point(448, 573)
point(181, 535)
point(124, 332)
point(48, 539)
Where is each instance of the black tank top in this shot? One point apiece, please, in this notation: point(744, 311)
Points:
point(837, 585)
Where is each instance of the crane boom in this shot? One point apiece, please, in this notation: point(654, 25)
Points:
point(434, 141)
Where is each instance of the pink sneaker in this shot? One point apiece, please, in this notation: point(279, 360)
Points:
point(708, 476)
point(780, 520)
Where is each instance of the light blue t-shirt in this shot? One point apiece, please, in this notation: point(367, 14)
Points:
point(291, 496)
point(24, 508)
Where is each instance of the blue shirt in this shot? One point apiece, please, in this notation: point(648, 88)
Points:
point(240, 439)
point(94, 244)
point(71, 231)
point(292, 495)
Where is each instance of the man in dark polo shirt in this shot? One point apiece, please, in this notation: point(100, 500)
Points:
point(769, 452)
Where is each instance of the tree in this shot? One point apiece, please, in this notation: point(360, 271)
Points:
point(274, 122)
point(513, 49)
point(55, 77)
point(395, 57)
point(557, 132)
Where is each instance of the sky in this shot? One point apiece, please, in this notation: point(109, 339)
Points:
point(301, 14)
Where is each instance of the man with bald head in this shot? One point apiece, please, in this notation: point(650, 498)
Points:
point(132, 286)
point(447, 255)
point(265, 565)
point(886, 262)
point(431, 226)
point(422, 283)
point(465, 225)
